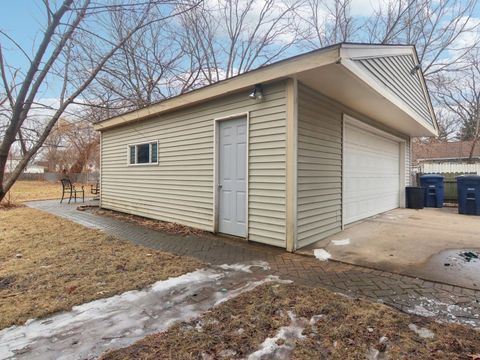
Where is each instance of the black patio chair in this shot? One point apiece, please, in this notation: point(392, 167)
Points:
point(95, 189)
point(69, 189)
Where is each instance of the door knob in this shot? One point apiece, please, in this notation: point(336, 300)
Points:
point(220, 186)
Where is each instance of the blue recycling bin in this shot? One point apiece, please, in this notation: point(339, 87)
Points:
point(434, 190)
point(468, 189)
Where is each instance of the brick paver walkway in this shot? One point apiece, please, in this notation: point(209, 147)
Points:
point(444, 302)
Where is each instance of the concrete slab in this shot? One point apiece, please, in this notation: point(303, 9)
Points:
point(426, 243)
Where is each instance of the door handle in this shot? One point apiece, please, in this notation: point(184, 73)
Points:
point(220, 186)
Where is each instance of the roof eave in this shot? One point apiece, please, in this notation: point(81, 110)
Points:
point(277, 71)
point(348, 53)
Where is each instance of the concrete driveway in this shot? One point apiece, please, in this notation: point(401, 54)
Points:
point(433, 244)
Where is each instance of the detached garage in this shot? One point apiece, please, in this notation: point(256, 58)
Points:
point(284, 155)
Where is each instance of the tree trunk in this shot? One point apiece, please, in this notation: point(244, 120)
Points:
point(472, 150)
point(8, 183)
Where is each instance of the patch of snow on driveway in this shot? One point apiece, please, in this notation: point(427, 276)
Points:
point(342, 242)
point(322, 254)
point(106, 324)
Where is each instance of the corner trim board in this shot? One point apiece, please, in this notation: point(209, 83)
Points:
point(291, 165)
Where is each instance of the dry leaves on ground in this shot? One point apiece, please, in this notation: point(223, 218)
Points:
point(169, 227)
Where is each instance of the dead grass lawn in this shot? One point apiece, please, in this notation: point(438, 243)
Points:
point(347, 329)
point(34, 190)
point(48, 264)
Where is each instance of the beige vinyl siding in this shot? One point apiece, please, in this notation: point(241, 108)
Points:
point(180, 188)
point(395, 73)
point(319, 168)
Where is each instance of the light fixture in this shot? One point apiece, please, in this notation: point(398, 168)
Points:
point(257, 92)
point(415, 69)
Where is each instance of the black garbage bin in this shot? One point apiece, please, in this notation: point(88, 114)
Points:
point(468, 189)
point(415, 197)
point(434, 191)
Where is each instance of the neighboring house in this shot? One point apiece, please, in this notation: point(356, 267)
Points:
point(283, 155)
point(29, 169)
point(446, 157)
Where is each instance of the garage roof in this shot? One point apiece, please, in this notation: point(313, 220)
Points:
point(391, 73)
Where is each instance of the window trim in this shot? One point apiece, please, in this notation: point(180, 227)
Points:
point(149, 153)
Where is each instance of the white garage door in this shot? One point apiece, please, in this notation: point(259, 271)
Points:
point(371, 173)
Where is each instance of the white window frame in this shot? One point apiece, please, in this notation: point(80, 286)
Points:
point(150, 163)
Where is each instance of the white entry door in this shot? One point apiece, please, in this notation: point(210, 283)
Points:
point(371, 173)
point(232, 173)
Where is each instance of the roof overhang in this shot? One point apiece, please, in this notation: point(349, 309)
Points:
point(351, 52)
point(277, 71)
point(331, 71)
point(449, 159)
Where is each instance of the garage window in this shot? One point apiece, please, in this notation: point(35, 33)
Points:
point(143, 154)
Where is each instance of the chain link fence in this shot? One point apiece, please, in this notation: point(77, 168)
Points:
point(83, 178)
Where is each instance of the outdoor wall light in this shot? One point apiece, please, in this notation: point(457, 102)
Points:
point(415, 69)
point(257, 93)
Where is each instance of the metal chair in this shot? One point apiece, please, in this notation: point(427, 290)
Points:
point(69, 189)
point(95, 189)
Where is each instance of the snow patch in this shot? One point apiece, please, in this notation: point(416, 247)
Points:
point(422, 332)
point(315, 318)
point(118, 321)
point(281, 345)
point(249, 286)
point(450, 312)
point(322, 254)
point(374, 354)
point(420, 310)
point(391, 217)
point(246, 267)
point(342, 242)
point(227, 354)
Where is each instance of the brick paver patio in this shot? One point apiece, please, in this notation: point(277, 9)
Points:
point(441, 301)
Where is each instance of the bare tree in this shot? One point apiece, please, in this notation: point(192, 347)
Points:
point(437, 28)
point(225, 38)
point(444, 33)
point(54, 144)
point(71, 145)
point(143, 70)
point(70, 53)
point(217, 39)
point(460, 94)
point(322, 22)
point(448, 125)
